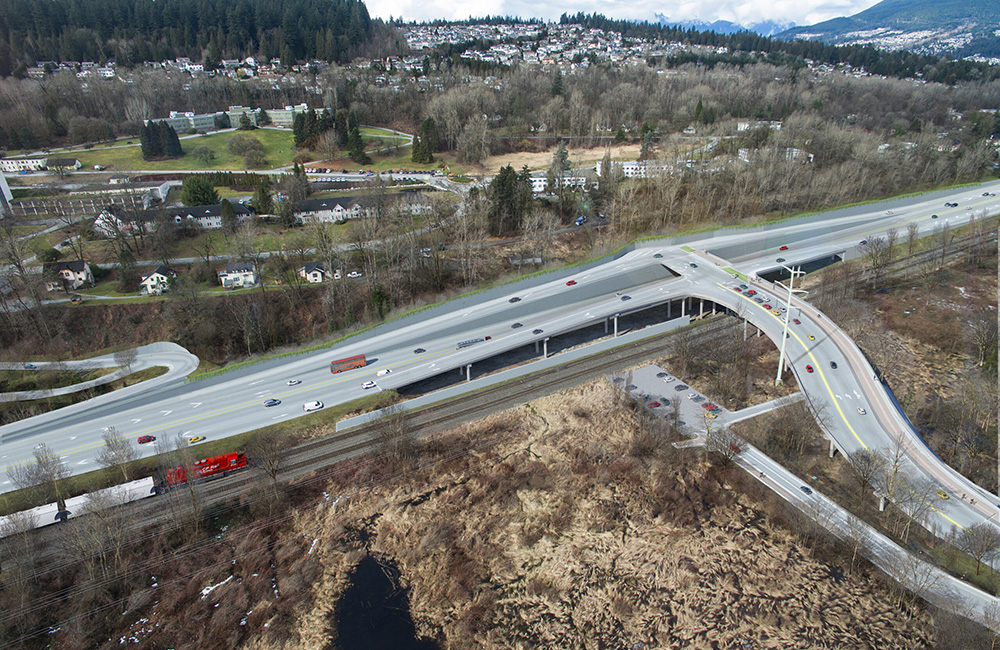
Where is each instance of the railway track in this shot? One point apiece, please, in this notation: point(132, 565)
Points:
point(321, 454)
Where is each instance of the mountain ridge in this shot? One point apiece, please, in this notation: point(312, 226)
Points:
point(960, 28)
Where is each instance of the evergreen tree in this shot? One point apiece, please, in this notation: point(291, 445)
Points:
point(261, 200)
point(149, 141)
point(245, 123)
point(263, 119)
point(228, 215)
point(509, 197)
point(169, 142)
point(222, 121)
point(198, 190)
point(310, 124)
point(299, 129)
point(557, 84)
point(340, 125)
point(325, 121)
point(356, 148)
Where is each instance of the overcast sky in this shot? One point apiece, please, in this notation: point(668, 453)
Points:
point(801, 12)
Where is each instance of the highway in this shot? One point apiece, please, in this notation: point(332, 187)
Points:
point(648, 277)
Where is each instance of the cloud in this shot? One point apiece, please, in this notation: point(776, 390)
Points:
point(801, 12)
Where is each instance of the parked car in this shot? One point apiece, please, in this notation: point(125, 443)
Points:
point(354, 274)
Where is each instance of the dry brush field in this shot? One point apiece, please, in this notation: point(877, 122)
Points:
point(550, 534)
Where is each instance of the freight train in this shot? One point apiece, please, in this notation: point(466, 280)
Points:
point(41, 516)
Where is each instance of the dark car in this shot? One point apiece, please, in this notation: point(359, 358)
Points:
point(806, 489)
point(30, 366)
point(934, 216)
point(780, 260)
point(661, 375)
point(658, 255)
point(514, 299)
point(419, 351)
point(693, 265)
point(537, 331)
point(681, 387)
point(515, 326)
point(624, 298)
point(272, 402)
point(142, 440)
point(833, 364)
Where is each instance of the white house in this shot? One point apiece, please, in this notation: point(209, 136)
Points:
point(156, 281)
point(314, 272)
point(330, 210)
point(73, 275)
point(110, 222)
point(238, 274)
point(15, 165)
point(208, 217)
point(5, 196)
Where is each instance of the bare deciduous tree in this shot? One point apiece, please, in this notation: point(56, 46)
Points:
point(125, 358)
point(393, 435)
point(980, 542)
point(117, 452)
point(48, 473)
point(269, 450)
point(876, 252)
point(865, 465)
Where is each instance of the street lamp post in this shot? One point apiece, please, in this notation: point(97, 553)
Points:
point(788, 313)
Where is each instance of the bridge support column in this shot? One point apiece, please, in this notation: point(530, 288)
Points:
point(833, 448)
point(881, 504)
point(744, 329)
point(605, 325)
point(545, 348)
point(536, 347)
point(616, 325)
point(468, 372)
point(701, 307)
point(684, 304)
point(670, 304)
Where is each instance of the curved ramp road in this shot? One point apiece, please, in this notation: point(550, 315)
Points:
point(179, 363)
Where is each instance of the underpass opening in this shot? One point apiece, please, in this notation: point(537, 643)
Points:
point(810, 266)
point(635, 319)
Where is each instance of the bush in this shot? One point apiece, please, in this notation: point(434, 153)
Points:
point(48, 255)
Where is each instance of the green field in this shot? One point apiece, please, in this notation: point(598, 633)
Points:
point(277, 150)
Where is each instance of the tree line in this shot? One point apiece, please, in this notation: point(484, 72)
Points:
point(134, 31)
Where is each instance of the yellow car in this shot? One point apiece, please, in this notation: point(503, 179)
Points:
point(195, 439)
point(710, 416)
point(942, 494)
point(812, 338)
point(776, 312)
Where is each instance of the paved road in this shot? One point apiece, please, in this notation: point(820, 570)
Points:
point(634, 281)
point(179, 363)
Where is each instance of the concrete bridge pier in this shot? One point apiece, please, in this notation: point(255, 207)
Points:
point(545, 347)
point(468, 372)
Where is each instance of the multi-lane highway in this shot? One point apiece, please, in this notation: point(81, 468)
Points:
point(650, 276)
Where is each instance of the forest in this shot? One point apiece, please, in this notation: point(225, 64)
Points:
point(134, 31)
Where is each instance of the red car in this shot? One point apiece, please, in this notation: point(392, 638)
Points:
point(767, 306)
point(653, 405)
point(751, 292)
point(144, 439)
point(737, 290)
point(796, 321)
point(783, 248)
point(571, 283)
point(809, 368)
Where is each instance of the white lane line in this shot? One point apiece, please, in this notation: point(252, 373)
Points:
point(254, 383)
point(166, 413)
point(195, 404)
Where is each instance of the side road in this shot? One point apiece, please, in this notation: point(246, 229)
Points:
point(179, 362)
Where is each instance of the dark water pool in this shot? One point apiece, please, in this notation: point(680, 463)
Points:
point(374, 611)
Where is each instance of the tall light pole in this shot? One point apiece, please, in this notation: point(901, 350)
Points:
point(788, 314)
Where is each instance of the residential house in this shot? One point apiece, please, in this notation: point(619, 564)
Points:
point(72, 275)
point(156, 281)
point(63, 164)
point(15, 165)
point(207, 217)
point(113, 220)
point(332, 210)
point(238, 274)
point(314, 272)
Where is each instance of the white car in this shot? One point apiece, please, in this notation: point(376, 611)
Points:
point(354, 274)
point(293, 382)
point(862, 411)
point(691, 395)
point(312, 406)
point(668, 379)
point(383, 372)
point(369, 384)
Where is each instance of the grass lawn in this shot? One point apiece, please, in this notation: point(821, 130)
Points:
point(277, 151)
point(377, 131)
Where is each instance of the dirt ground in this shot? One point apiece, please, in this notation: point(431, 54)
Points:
point(548, 533)
point(578, 157)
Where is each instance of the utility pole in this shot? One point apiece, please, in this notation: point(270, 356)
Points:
point(797, 271)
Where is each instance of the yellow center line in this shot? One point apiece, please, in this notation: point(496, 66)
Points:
point(825, 383)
